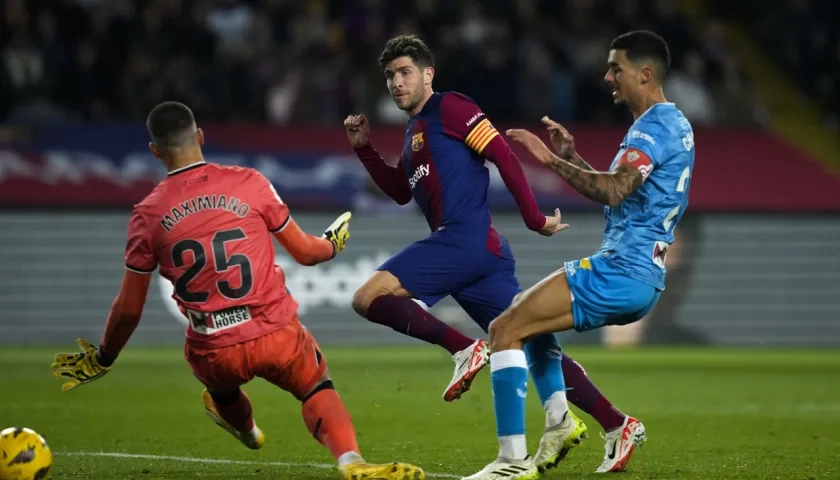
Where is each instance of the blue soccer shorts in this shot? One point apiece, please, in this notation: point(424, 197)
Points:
point(602, 295)
point(482, 282)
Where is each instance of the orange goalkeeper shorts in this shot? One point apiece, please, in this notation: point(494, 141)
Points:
point(289, 358)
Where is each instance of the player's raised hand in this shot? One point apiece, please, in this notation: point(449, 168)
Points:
point(339, 232)
point(553, 224)
point(533, 143)
point(561, 139)
point(80, 368)
point(358, 128)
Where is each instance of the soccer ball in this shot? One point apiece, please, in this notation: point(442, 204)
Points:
point(24, 455)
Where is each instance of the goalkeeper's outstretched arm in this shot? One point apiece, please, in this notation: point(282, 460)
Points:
point(308, 249)
point(124, 316)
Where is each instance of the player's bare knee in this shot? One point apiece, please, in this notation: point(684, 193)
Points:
point(362, 300)
point(493, 330)
point(380, 283)
point(503, 333)
point(365, 296)
point(500, 324)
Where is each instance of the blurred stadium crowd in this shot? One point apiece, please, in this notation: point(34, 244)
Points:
point(314, 61)
point(803, 37)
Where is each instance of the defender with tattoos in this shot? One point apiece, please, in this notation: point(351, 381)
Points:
point(645, 193)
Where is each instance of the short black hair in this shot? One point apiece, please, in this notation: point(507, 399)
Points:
point(171, 125)
point(644, 45)
point(407, 46)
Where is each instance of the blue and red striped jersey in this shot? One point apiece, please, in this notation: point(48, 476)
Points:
point(442, 166)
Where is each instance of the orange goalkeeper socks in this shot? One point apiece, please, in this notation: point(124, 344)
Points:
point(329, 422)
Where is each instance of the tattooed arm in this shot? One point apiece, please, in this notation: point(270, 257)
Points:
point(579, 162)
point(607, 188)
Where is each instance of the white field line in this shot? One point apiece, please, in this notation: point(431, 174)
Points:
point(321, 466)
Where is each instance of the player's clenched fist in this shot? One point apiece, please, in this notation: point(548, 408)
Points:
point(358, 128)
point(339, 232)
point(561, 139)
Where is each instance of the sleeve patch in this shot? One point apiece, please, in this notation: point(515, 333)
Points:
point(481, 135)
point(638, 160)
point(643, 136)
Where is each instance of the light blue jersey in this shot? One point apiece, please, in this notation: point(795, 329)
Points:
point(640, 230)
point(623, 281)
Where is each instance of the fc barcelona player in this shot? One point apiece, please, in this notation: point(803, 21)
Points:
point(442, 167)
point(209, 229)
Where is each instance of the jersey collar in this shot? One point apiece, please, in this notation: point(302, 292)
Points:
point(652, 107)
point(184, 169)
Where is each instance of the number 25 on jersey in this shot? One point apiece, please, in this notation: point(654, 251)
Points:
point(222, 262)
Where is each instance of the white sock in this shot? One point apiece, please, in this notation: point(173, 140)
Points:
point(513, 447)
point(513, 358)
point(350, 458)
point(555, 409)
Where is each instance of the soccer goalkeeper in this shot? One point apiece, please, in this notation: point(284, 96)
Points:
point(209, 228)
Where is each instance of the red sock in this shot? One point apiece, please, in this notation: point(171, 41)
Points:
point(407, 317)
point(239, 413)
point(329, 422)
point(583, 393)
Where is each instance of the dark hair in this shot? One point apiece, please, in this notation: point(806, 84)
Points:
point(644, 45)
point(171, 125)
point(407, 46)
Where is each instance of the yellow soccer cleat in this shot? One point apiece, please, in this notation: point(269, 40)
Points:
point(253, 439)
point(391, 471)
point(557, 441)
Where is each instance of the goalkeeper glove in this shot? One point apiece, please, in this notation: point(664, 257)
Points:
point(339, 232)
point(80, 368)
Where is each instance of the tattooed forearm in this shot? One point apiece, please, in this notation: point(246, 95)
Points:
point(607, 188)
point(578, 161)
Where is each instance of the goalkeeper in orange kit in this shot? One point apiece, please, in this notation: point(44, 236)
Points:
point(210, 230)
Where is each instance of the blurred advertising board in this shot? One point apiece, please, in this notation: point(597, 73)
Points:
point(109, 165)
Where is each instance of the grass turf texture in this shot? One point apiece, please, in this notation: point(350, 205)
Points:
point(710, 414)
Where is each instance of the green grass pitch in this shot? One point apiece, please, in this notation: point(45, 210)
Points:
point(710, 414)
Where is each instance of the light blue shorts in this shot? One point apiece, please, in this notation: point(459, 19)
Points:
point(602, 295)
